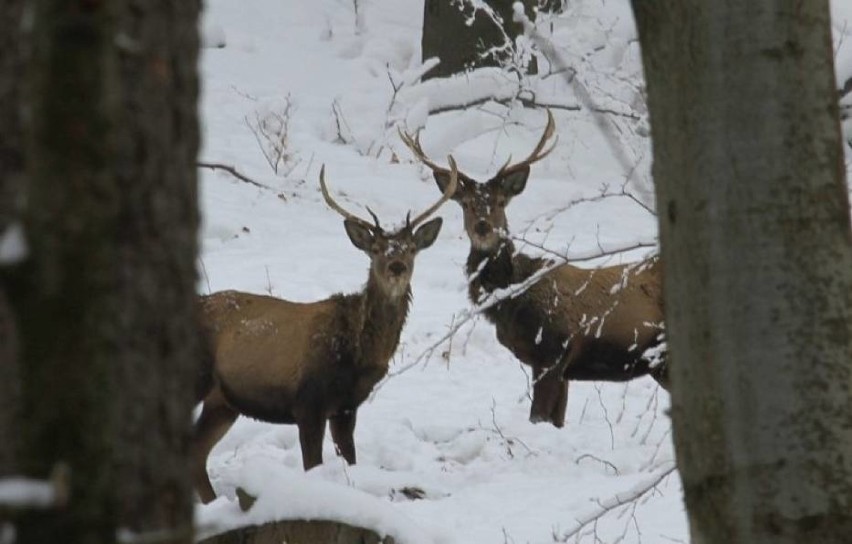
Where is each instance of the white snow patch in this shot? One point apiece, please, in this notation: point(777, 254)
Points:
point(287, 494)
point(13, 245)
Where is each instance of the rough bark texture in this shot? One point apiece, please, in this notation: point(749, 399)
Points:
point(12, 55)
point(461, 46)
point(755, 236)
point(157, 240)
point(68, 328)
point(299, 532)
point(105, 299)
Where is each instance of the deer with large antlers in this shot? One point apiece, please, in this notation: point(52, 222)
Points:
point(310, 363)
point(570, 323)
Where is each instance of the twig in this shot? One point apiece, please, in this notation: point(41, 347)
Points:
point(579, 89)
point(206, 277)
point(605, 194)
point(509, 441)
point(618, 500)
point(602, 252)
point(341, 123)
point(599, 460)
point(233, 171)
point(529, 103)
point(268, 282)
point(606, 417)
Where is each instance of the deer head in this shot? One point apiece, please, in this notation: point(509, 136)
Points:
point(392, 253)
point(484, 204)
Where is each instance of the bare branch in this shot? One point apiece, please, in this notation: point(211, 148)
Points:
point(599, 460)
point(617, 501)
point(580, 90)
point(233, 171)
point(600, 253)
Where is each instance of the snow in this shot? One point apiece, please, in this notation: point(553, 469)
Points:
point(13, 245)
point(317, 499)
point(20, 492)
point(449, 425)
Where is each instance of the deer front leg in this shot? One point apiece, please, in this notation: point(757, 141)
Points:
point(557, 417)
point(311, 432)
point(547, 392)
point(215, 420)
point(342, 430)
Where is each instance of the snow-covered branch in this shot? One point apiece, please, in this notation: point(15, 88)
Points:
point(18, 494)
point(233, 171)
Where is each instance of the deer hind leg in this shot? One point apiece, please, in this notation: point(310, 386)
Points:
point(342, 429)
point(215, 420)
point(547, 391)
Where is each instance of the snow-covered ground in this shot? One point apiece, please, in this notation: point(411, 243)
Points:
point(449, 425)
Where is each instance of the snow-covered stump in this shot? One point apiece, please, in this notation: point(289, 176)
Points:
point(299, 532)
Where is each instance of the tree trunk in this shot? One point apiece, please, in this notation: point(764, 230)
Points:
point(462, 46)
point(757, 245)
point(12, 55)
point(105, 298)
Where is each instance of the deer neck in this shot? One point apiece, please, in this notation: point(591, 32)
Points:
point(383, 317)
point(489, 270)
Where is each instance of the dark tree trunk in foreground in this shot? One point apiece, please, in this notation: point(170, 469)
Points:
point(755, 235)
point(159, 221)
point(12, 55)
point(462, 47)
point(105, 298)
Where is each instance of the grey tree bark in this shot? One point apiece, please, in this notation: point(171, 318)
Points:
point(757, 245)
point(105, 300)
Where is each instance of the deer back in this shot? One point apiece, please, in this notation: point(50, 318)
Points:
point(618, 306)
point(262, 341)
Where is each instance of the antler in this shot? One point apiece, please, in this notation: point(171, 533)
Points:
point(414, 145)
point(336, 207)
point(537, 153)
point(448, 192)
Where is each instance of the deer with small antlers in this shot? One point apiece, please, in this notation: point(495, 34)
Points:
point(570, 323)
point(310, 363)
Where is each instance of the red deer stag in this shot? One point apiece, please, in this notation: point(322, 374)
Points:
point(308, 363)
point(571, 323)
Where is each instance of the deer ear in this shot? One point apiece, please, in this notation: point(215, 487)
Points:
point(515, 182)
point(360, 235)
point(443, 179)
point(426, 234)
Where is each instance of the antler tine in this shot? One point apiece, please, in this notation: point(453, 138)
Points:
point(448, 193)
point(537, 153)
point(414, 145)
point(336, 207)
point(374, 216)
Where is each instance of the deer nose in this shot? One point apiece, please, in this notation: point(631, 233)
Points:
point(397, 268)
point(482, 227)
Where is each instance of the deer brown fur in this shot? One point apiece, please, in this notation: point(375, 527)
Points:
point(570, 323)
point(308, 363)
